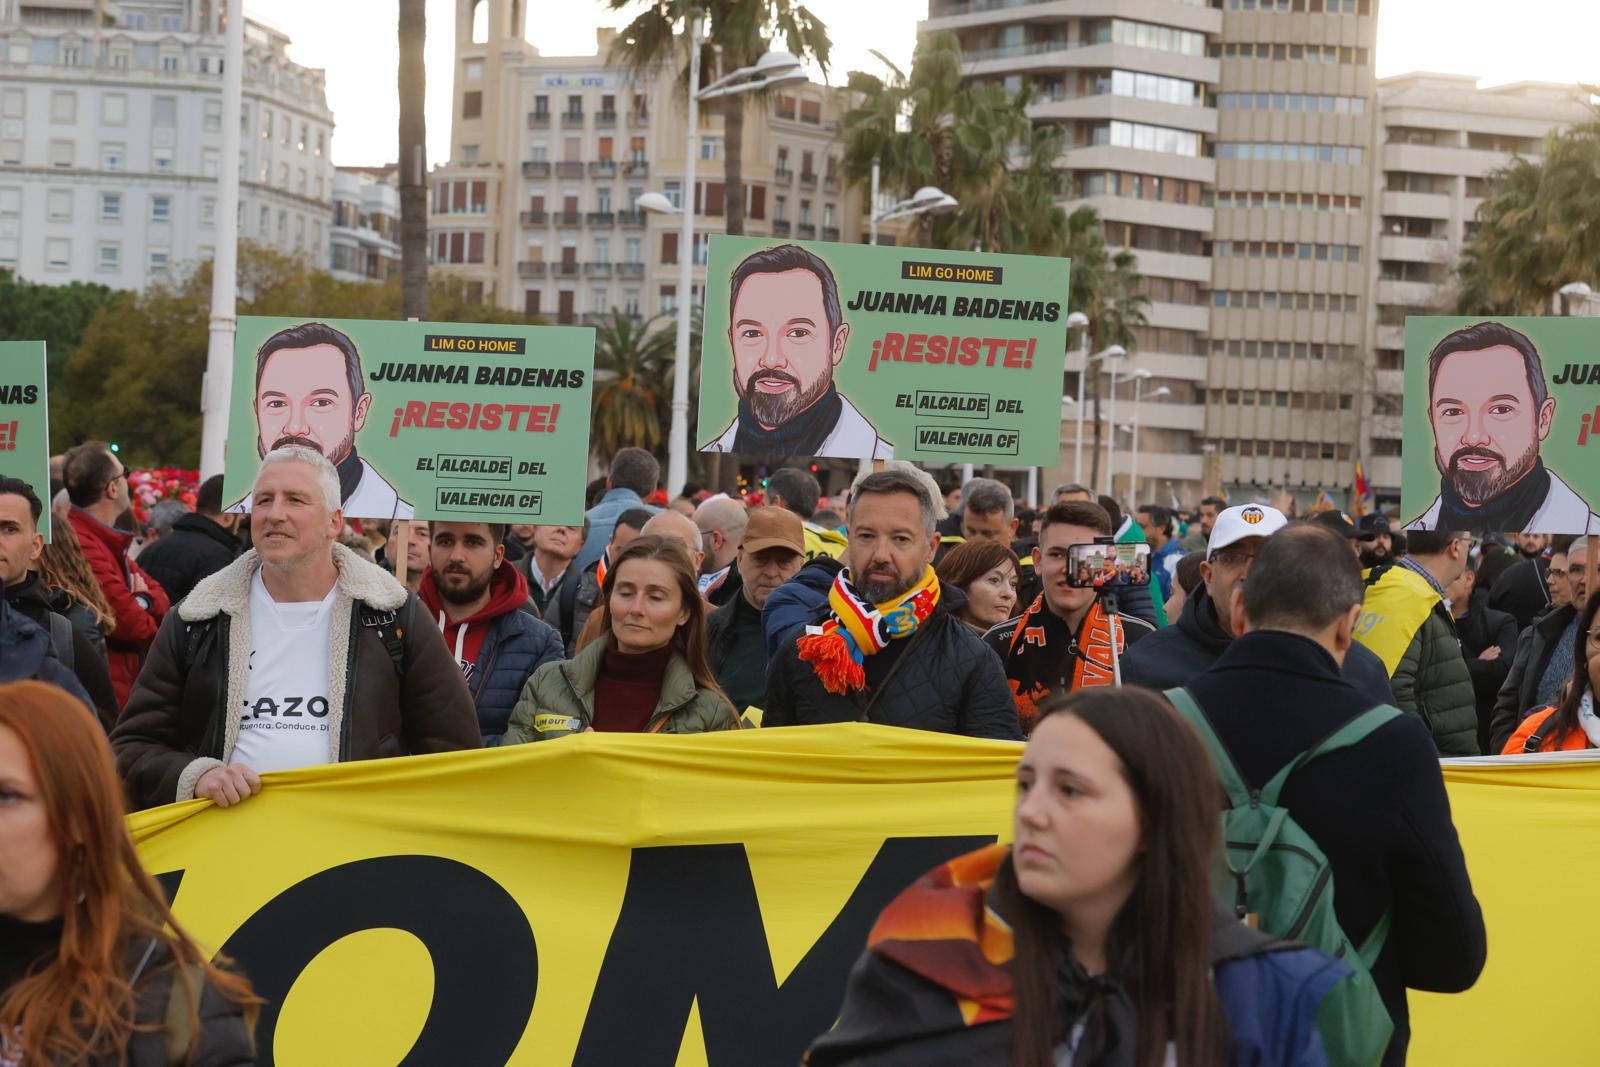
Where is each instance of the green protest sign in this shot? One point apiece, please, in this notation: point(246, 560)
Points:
point(866, 352)
point(437, 420)
point(25, 421)
point(1502, 425)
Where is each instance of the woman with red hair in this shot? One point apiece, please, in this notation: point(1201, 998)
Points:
point(94, 970)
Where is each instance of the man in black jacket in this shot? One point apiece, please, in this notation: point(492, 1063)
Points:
point(773, 549)
point(1488, 642)
point(1543, 660)
point(1378, 809)
point(919, 666)
point(199, 545)
point(27, 595)
point(1522, 589)
point(1174, 655)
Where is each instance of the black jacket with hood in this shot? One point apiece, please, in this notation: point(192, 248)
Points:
point(32, 599)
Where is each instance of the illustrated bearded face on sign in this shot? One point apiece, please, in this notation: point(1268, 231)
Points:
point(309, 392)
point(787, 336)
point(1490, 412)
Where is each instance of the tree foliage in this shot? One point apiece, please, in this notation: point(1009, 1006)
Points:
point(135, 376)
point(1538, 230)
point(54, 314)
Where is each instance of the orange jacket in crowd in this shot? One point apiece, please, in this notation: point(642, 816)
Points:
point(1575, 741)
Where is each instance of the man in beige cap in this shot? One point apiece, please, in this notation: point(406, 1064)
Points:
point(772, 551)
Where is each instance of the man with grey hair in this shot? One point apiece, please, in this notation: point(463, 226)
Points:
point(887, 647)
point(317, 656)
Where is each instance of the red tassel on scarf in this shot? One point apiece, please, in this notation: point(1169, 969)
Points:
point(829, 655)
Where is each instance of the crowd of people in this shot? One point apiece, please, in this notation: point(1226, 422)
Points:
point(213, 648)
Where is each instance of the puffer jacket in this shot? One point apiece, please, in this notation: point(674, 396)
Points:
point(792, 604)
point(1518, 696)
point(511, 645)
point(183, 717)
point(33, 600)
point(1432, 681)
point(949, 682)
point(579, 590)
point(559, 700)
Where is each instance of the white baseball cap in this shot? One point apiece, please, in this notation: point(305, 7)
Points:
point(1241, 521)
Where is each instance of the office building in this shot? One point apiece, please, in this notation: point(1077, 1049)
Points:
point(364, 236)
point(535, 211)
point(111, 138)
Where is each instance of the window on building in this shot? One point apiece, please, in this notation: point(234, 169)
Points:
point(674, 193)
point(12, 104)
point(208, 211)
point(58, 254)
point(164, 111)
point(209, 161)
point(62, 154)
point(58, 205)
point(160, 258)
point(11, 151)
point(108, 255)
point(213, 116)
point(602, 248)
point(473, 70)
point(160, 208)
point(469, 153)
point(110, 207)
point(472, 104)
point(113, 154)
point(669, 248)
point(633, 250)
point(710, 148)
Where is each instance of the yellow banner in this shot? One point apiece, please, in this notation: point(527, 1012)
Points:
point(609, 899)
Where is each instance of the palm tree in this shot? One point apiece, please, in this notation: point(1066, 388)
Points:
point(742, 31)
point(413, 160)
point(632, 389)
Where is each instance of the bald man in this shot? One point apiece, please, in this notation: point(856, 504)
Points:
point(721, 521)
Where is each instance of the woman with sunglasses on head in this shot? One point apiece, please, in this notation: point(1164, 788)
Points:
point(1571, 723)
point(94, 970)
point(1092, 940)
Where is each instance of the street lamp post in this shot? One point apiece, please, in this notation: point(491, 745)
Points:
point(1138, 388)
point(1577, 289)
point(774, 68)
point(1081, 321)
point(1114, 352)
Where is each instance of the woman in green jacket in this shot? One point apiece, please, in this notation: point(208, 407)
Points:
point(649, 673)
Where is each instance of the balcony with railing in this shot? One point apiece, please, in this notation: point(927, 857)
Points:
point(603, 168)
point(830, 233)
point(535, 218)
point(780, 227)
point(806, 231)
point(629, 270)
point(566, 318)
point(638, 119)
point(636, 168)
point(565, 269)
point(538, 120)
point(605, 118)
point(830, 184)
point(630, 218)
point(568, 218)
point(569, 169)
point(572, 118)
point(598, 269)
point(530, 268)
point(782, 174)
point(536, 169)
point(601, 218)
point(808, 179)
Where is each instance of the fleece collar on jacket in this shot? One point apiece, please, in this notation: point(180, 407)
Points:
point(227, 592)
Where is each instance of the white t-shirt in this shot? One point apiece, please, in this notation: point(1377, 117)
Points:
point(284, 721)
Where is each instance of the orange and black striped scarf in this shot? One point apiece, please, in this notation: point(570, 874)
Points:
point(1045, 658)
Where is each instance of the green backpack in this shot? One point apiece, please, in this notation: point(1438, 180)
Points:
point(1276, 873)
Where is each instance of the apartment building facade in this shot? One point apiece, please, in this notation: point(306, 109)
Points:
point(365, 230)
point(538, 204)
point(111, 138)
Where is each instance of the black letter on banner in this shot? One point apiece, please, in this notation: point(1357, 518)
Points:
point(485, 965)
point(691, 927)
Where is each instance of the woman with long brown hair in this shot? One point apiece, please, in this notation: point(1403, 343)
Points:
point(94, 970)
point(649, 671)
point(76, 594)
point(1091, 939)
point(1571, 723)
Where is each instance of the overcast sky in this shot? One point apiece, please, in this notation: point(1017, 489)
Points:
point(354, 40)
